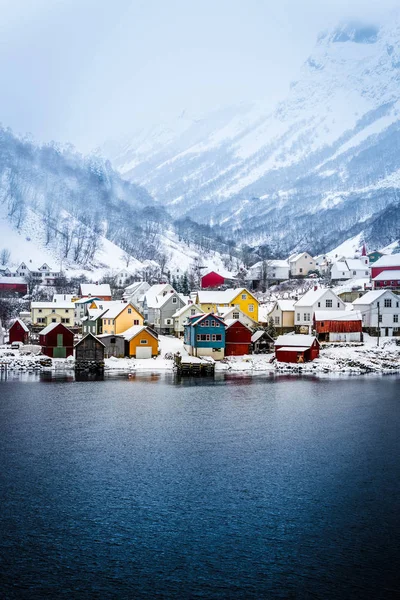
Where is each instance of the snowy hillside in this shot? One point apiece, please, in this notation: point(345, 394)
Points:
point(321, 168)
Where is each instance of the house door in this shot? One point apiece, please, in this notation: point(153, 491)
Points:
point(60, 351)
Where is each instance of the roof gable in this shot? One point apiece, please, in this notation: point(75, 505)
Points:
point(86, 336)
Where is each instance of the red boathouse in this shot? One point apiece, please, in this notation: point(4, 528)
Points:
point(18, 332)
point(237, 338)
point(57, 341)
point(296, 348)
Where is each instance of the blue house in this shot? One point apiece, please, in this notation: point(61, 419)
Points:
point(204, 335)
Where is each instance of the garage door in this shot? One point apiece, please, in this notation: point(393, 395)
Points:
point(143, 352)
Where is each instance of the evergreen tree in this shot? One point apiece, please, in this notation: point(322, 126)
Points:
point(185, 285)
point(271, 328)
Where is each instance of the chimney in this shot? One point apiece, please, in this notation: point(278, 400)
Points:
point(315, 288)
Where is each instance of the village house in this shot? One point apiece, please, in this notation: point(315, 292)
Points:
point(232, 312)
point(350, 290)
point(380, 311)
point(296, 348)
point(92, 323)
point(315, 299)
point(141, 342)
point(374, 256)
point(261, 342)
point(41, 276)
point(266, 272)
point(301, 264)
point(213, 279)
point(95, 290)
point(282, 315)
point(44, 313)
point(114, 345)
point(338, 325)
point(18, 332)
point(161, 303)
point(57, 341)
point(82, 306)
point(385, 272)
point(13, 286)
point(235, 297)
point(205, 336)
point(322, 264)
point(350, 268)
point(237, 338)
point(135, 292)
point(182, 314)
point(89, 348)
point(120, 317)
point(123, 277)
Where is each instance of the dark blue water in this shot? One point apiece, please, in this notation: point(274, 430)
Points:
point(236, 488)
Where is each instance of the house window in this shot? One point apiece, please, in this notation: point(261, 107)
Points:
point(354, 272)
point(216, 337)
point(67, 310)
point(388, 303)
point(298, 316)
point(251, 307)
point(129, 311)
point(174, 300)
point(379, 318)
point(143, 341)
point(319, 304)
point(112, 340)
point(322, 324)
point(235, 315)
point(395, 318)
point(212, 323)
point(300, 270)
point(366, 272)
point(307, 317)
point(136, 322)
point(40, 310)
point(207, 323)
point(338, 304)
point(192, 311)
point(276, 320)
point(244, 296)
point(328, 303)
point(54, 320)
point(53, 311)
point(216, 324)
point(109, 321)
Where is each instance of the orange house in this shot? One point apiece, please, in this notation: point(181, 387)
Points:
point(141, 342)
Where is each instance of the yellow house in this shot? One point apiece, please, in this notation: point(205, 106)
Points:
point(282, 315)
point(44, 313)
point(120, 317)
point(238, 297)
point(142, 342)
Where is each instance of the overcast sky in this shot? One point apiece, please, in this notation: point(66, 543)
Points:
point(87, 70)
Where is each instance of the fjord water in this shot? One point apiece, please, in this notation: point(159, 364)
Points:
point(227, 488)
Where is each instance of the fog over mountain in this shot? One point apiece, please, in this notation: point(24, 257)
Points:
point(321, 167)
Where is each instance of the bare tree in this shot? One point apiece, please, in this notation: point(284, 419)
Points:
point(5, 255)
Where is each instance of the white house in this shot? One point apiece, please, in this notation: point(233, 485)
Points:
point(268, 270)
point(301, 264)
point(350, 268)
point(317, 298)
point(380, 309)
point(282, 315)
point(234, 313)
point(181, 315)
point(135, 292)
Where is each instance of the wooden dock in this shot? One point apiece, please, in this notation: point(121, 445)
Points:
point(191, 365)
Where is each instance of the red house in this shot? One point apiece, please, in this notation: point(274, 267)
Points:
point(296, 348)
point(57, 341)
point(18, 332)
point(389, 262)
point(16, 285)
point(338, 325)
point(212, 280)
point(237, 338)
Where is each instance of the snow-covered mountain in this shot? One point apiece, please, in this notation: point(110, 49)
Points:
point(322, 167)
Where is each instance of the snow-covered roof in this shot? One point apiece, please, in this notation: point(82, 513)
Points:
point(295, 257)
point(286, 305)
point(135, 330)
point(135, 286)
point(295, 339)
point(87, 300)
point(187, 307)
point(292, 349)
point(259, 334)
point(311, 297)
point(117, 309)
point(154, 295)
point(230, 322)
point(389, 260)
point(355, 264)
point(194, 321)
point(95, 313)
point(220, 271)
point(12, 280)
point(57, 298)
point(22, 324)
point(85, 336)
point(372, 296)
point(351, 284)
point(220, 297)
point(388, 275)
point(338, 315)
point(93, 289)
point(52, 305)
point(50, 327)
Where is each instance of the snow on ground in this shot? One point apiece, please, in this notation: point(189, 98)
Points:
point(340, 358)
point(347, 248)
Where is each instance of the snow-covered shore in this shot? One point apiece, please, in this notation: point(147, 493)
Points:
point(367, 358)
